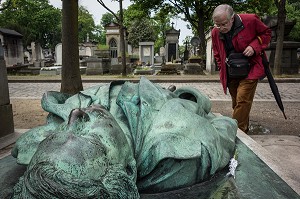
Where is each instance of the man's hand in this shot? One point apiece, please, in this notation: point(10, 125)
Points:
point(248, 51)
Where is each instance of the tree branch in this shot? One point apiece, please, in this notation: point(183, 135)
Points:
point(112, 12)
point(6, 6)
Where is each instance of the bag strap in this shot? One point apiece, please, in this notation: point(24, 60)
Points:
point(229, 48)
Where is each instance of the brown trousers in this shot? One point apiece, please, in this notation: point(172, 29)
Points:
point(242, 93)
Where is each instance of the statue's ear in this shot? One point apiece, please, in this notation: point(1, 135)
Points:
point(188, 96)
point(195, 95)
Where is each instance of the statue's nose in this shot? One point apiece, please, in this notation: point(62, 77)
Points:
point(77, 114)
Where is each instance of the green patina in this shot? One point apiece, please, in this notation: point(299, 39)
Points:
point(117, 140)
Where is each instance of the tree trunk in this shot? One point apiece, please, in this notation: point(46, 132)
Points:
point(122, 40)
point(70, 74)
point(280, 36)
point(201, 33)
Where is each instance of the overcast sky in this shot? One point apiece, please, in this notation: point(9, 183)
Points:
point(97, 11)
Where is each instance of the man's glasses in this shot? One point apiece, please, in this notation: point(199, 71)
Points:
point(222, 25)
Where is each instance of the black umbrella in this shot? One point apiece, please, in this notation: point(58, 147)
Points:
point(272, 84)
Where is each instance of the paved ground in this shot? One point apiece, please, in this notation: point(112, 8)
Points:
point(289, 91)
point(284, 148)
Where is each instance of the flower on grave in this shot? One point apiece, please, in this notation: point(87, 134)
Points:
point(233, 163)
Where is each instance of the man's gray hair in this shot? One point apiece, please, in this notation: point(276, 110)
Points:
point(221, 9)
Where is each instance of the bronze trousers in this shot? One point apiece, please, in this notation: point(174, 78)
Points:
point(242, 93)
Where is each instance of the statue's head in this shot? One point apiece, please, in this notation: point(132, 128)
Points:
point(87, 158)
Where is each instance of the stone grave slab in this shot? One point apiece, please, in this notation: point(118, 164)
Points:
point(255, 178)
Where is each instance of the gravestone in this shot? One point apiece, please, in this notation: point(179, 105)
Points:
point(117, 69)
point(6, 113)
point(193, 69)
point(256, 176)
point(58, 54)
point(97, 66)
point(162, 53)
point(147, 53)
point(37, 54)
point(186, 52)
point(170, 69)
point(27, 57)
point(85, 51)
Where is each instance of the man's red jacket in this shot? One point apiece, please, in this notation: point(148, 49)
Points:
point(249, 30)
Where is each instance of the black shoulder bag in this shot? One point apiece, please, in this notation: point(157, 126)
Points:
point(238, 65)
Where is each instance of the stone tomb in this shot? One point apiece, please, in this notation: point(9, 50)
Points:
point(193, 68)
point(144, 71)
point(257, 176)
point(146, 53)
point(56, 70)
point(170, 69)
point(58, 54)
point(6, 114)
point(97, 66)
point(117, 69)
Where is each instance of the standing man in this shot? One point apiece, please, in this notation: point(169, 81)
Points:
point(242, 33)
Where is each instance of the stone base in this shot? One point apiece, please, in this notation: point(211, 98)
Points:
point(117, 69)
point(169, 69)
point(193, 69)
point(49, 72)
point(94, 71)
point(56, 70)
point(144, 72)
point(29, 71)
point(255, 177)
point(6, 120)
point(97, 66)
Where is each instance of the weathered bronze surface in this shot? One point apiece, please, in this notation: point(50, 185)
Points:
point(120, 139)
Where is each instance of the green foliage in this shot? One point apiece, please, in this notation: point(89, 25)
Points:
point(107, 18)
point(86, 24)
point(44, 26)
point(162, 19)
point(133, 12)
point(141, 30)
point(293, 13)
point(198, 13)
point(103, 47)
point(5, 5)
point(99, 34)
point(261, 8)
point(36, 20)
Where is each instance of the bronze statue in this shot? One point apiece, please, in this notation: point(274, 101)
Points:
point(121, 139)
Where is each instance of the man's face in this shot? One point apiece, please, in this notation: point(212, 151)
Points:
point(223, 23)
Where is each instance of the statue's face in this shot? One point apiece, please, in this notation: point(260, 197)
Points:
point(88, 157)
point(88, 146)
